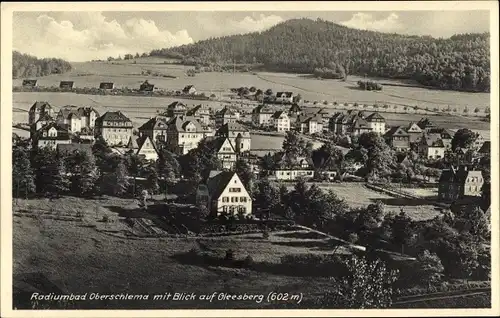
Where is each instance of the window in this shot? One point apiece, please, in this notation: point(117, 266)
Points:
point(243, 199)
point(225, 199)
point(234, 190)
point(242, 209)
point(224, 209)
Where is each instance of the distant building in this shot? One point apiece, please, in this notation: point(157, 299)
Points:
point(485, 149)
point(51, 135)
point(310, 124)
point(280, 121)
point(455, 184)
point(146, 87)
point(183, 134)
point(176, 109)
point(294, 110)
point(261, 115)
point(106, 85)
point(414, 132)
point(42, 121)
point(225, 194)
point(376, 122)
point(237, 134)
point(188, 90)
point(29, 83)
point(225, 151)
point(431, 147)
point(288, 168)
point(66, 84)
point(397, 138)
point(284, 97)
point(360, 126)
point(69, 116)
point(445, 135)
point(425, 124)
point(69, 149)
point(478, 143)
point(201, 113)
point(155, 128)
point(114, 127)
point(225, 116)
point(88, 116)
point(147, 148)
point(37, 110)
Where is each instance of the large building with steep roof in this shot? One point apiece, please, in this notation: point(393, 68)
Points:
point(237, 134)
point(51, 135)
point(459, 183)
point(261, 115)
point(431, 147)
point(280, 121)
point(376, 122)
point(183, 134)
point(115, 128)
point(225, 116)
point(39, 109)
point(155, 128)
point(398, 138)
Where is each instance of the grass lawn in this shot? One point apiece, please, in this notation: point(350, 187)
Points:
point(89, 259)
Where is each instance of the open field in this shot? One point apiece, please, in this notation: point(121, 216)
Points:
point(357, 195)
point(93, 259)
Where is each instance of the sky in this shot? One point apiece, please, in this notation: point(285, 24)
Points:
point(85, 35)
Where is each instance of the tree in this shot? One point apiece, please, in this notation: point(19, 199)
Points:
point(475, 222)
point(370, 218)
point(116, 183)
point(168, 168)
point(297, 98)
point(463, 138)
point(58, 183)
point(402, 230)
point(135, 165)
point(152, 179)
point(23, 175)
point(244, 172)
point(430, 269)
point(367, 284)
point(84, 172)
point(269, 92)
point(253, 89)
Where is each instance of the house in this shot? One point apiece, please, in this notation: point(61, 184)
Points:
point(478, 143)
point(485, 149)
point(402, 158)
point(225, 193)
point(431, 147)
point(343, 124)
point(69, 149)
point(183, 134)
point(66, 85)
point(415, 132)
point(288, 168)
point(189, 90)
point(225, 116)
point(29, 83)
point(225, 151)
point(146, 87)
point(132, 143)
point(106, 85)
point(155, 128)
point(88, 116)
point(459, 183)
point(39, 109)
point(201, 113)
point(425, 124)
point(397, 138)
point(359, 126)
point(70, 116)
point(147, 148)
point(237, 134)
point(261, 115)
point(444, 134)
point(175, 109)
point(310, 124)
point(376, 122)
point(51, 135)
point(280, 121)
point(42, 121)
point(114, 127)
point(284, 97)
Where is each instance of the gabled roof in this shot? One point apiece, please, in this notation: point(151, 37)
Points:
point(216, 143)
point(307, 118)
point(45, 117)
point(226, 111)
point(179, 123)
point(197, 110)
point(396, 131)
point(218, 181)
point(262, 109)
point(69, 111)
point(413, 128)
point(374, 117)
point(85, 111)
point(360, 123)
point(176, 105)
point(142, 141)
point(113, 116)
point(68, 149)
point(443, 133)
point(278, 114)
point(402, 158)
point(432, 140)
point(231, 127)
point(132, 143)
point(425, 123)
point(40, 106)
point(62, 132)
point(155, 123)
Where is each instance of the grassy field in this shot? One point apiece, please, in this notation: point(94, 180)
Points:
point(95, 259)
point(357, 195)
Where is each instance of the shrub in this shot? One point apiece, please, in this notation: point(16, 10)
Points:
point(105, 218)
point(265, 234)
point(476, 110)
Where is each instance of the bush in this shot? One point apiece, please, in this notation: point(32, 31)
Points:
point(265, 234)
point(105, 219)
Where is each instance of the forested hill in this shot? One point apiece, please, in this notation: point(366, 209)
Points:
point(24, 65)
point(461, 62)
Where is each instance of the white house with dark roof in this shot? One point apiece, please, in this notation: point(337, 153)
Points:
point(431, 147)
point(189, 90)
point(287, 168)
point(147, 148)
point(183, 134)
point(39, 109)
point(225, 151)
point(51, 135)
point(261, 115)
point(88, 116)
point(237, 134)
point(70, 116)
point(225, 193)
point(155, 128)
point(376, 122)
point(280, 121)
point(115, 128)
point(225, 116)
point(200, 112)
point(310, 124)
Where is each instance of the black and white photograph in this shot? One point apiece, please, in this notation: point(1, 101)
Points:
point(270, 156)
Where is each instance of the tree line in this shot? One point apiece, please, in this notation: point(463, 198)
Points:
point(24, 65)
point(460, 62)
